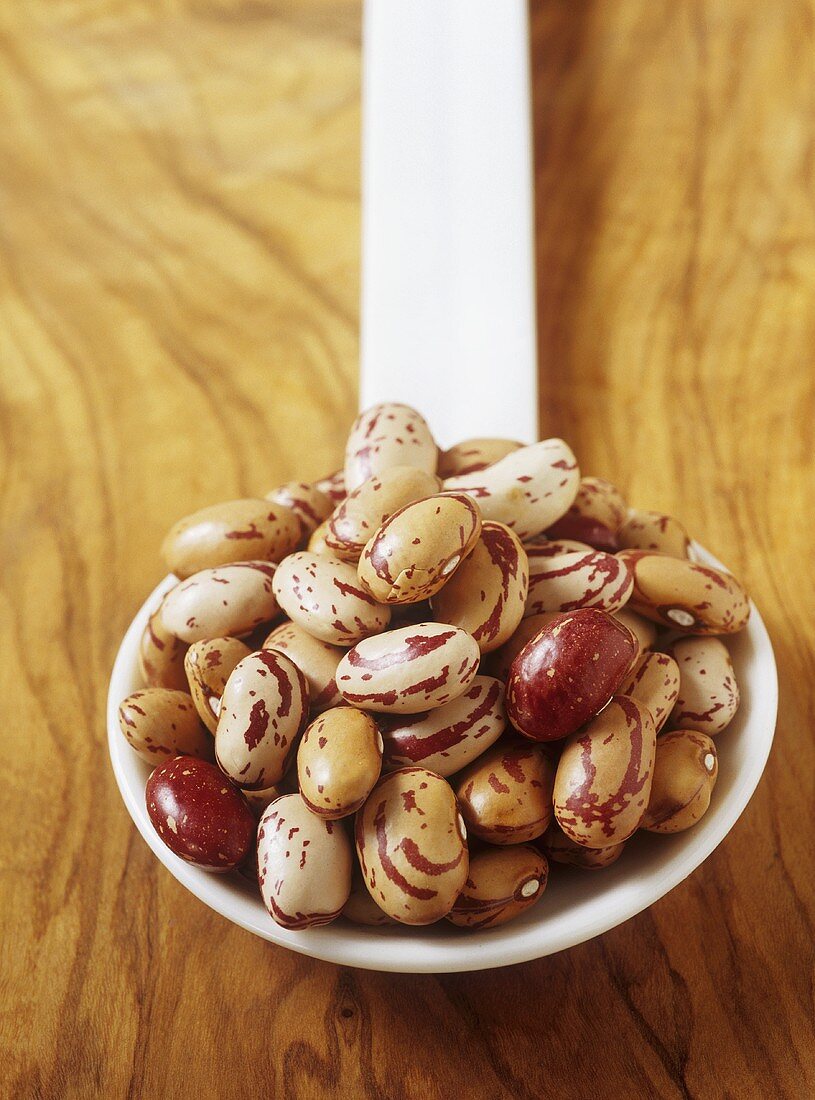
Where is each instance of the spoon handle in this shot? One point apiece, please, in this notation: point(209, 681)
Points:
point(448, 275)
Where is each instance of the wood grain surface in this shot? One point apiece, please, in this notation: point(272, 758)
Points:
point(179, 222)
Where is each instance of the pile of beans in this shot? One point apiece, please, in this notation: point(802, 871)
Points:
point(399, 693)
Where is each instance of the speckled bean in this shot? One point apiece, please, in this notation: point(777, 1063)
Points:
point(501, 884)
point(361, 907)
point(411, 844)
point(567, 672)
point(388, 435)
point(373, 502)
point(506, 794)
point(528, 490)
point(419, 547)
point(560, 849)
point(224, 602)
point(339, 761)
point(317, 544)
point(653, 531)
point(323, 595)
point(539, 550)
point(264, 708)
point(686, 595)
point(500, 661)
point(208, 666)
point(444, 740)
point(472, 455)
point(304, 864)
point(317, 660)
point(161, 656)
point(708, 693)
point(644, 631)
point(309, 504)
point(604, 775)
point(236, 530)
point(160, 723)
point(595, 517)
point(333, 486)
point(259, 800)
point(685, 774)
point(411, 669)
point(654, 682)
point(580, 579)
point(486, 595)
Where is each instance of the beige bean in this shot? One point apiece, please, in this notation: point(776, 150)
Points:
point(654, 682)
point(486, 595)
point(444, 740)
point(388, 435)
point(528, 490)
point(411, 669)
point(317, 544)
point(499, 663)
point(501, 884)
point(236, 530)
point(472, 455)
point(368, 506)
point(538, 550)
point(506, 794)
point(419, 548)
point(160, 723)
point(708, 693)
point(309, 504)
point(644, 631)
point(604, 775)
point(411, 844)
point(560, 849)
point(686, 595)
point(361, 907)
point(653, 531)
point(323, 595)
point(576, 580)
point(685, 774)
point(595, 516)
point(317, 661)
point(259, 800)
point(224, 602)
point(161, 656)
point(264, 708)
point(208, 666)
point(332, 486)
point(338, 762)
point(304, 864)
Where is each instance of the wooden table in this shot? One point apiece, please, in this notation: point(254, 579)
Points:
point(179, 222)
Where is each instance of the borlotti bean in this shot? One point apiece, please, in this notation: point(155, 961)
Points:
point(595, 517)
point(161, 656)
point(411, 844)
point(446, 739)
point(708, 693)
point(160, 723)
point(388, 435)
point(472, 455)
point(224, 602)
point(304, 864)
point(686, 595)
point(560, 849)
point(580, 579)
point(208, 666)
point(411, 669)
point(309, 504)
point(685, 774)
point(567, 673)
point(501, 884)
point(338, 762)
point(644, 630)
point(472, 640)
point(366, 508)
point(237, 530)
point(506, 795)
point(317, 661)
point(264, 709)
point(528, 490)
point(653, 531)
point(198, 814)
point(324, 596)
point(486, 595)
point(604, 775)
point(654, 682)
point(418, 548)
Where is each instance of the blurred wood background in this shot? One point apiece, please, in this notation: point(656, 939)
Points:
point(179, 223)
